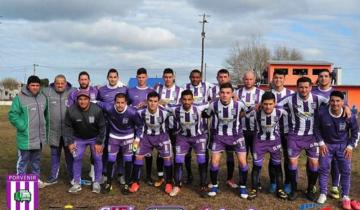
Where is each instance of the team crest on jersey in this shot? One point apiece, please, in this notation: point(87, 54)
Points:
point(194, 116)
point(233, 111)
point(313, 105)
point(125, 120)
point(91, 119)
point(342, 126)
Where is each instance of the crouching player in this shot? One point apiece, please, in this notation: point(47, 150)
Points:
point(228, 132)
point(267, 140)
point(125, 126)
point(189, 127)
point(337, 136)
point(156, 123)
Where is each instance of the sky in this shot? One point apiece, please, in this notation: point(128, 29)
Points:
point(70, 36)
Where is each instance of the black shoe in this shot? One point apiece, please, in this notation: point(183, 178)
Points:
point(106, 188)
point(259, 187)
point(292, 196)
point(252, 194)
point(311, 194)
point(280, 193)
point(203, 192)
point(189, 179)
point(149, 181)
point(125, 190)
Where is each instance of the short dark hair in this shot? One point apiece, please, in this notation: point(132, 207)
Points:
point(112, 71)
point(279, 73)
point(223, 71)
point(303, 79)
point(83, 73)
point(325, 70)
point(121, 95)
point(268, 95)
point(168, 71)
point(152, 95)
point(337, 94)
point(227, 85)
point(187, 93)
point(141, 71)
point(195, 71)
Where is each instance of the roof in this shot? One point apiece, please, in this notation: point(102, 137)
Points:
point(151, 82)
point(299, 62)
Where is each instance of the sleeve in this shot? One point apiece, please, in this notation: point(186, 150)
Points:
point(69, 131)
point(15, 115)
point(283, 102)
point(354, 132)
point(138, 125)
point(71, 99)
point(105, 106)
point(102, 128)
point(209, 111)
point(323, 101)
point(47, 120)
point(317, 129)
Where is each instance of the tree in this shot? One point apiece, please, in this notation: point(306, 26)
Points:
point(285, 53)
point(10, 83)
point(253, 56)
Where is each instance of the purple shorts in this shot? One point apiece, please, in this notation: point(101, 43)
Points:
point(160, 142)
point(298, 143)
point(115, 144)
point(220, 143)
point(261, 147)
point(184, 143)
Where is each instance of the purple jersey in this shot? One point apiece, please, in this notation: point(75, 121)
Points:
point(107, 93)
point(171, 96)
point(157, 123)
point(200, 92)
point(123, 125)
point(324, 93)
point(250, 98)
point(226, 118)
point(213, 93)
point(332, 129)
point(279, 95)
point(138, 95)
point(302, 112)
point(189, 123)
point(267, 125)
point(93, 92)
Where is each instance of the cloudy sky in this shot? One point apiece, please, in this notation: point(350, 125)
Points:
point(69, 36)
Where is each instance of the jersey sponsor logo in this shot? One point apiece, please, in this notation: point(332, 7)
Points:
point(91, 119)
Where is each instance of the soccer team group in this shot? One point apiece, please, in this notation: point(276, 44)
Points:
point(123, 125)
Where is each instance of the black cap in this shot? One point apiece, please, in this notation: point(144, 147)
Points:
point(33, 79)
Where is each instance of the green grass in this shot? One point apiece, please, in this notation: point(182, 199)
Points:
point(57, 196)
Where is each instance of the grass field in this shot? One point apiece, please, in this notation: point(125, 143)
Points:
point(57, 196)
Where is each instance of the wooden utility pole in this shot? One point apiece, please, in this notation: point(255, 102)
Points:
point(204, 16)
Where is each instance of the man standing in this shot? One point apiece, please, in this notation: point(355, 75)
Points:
point(57, 94)
point(28, 114)
point(281, 92)
point(137, 98)
point(125, 126)
point(226, 125)
point(85, 126)
point(155, 135)
point(302, 107)
point(337, 136)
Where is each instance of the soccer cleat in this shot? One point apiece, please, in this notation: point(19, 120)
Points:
point(203, 192)
point(280, 193)
point(243, 192)
point(175, 191)
point(292, 196)
point(106, 188)
point(322, 198)
point(355, 204)
point(252, 194)
point(334, 192)
point(85, 182)
point(259, 188)
point(346, 203)
point(134, 187)
point(213, 191)
point(103, 179)
point(272, 188)
point(231, 184)
point(51, 181)
point(92, 173)
point(210, 185)
point(149, 182)
point(168, 188)
point(41, 184)
point(125, 190)
point(287, 188)
point(159, 182)
point(75, 188)
point(96, 188)
point(311, 194)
